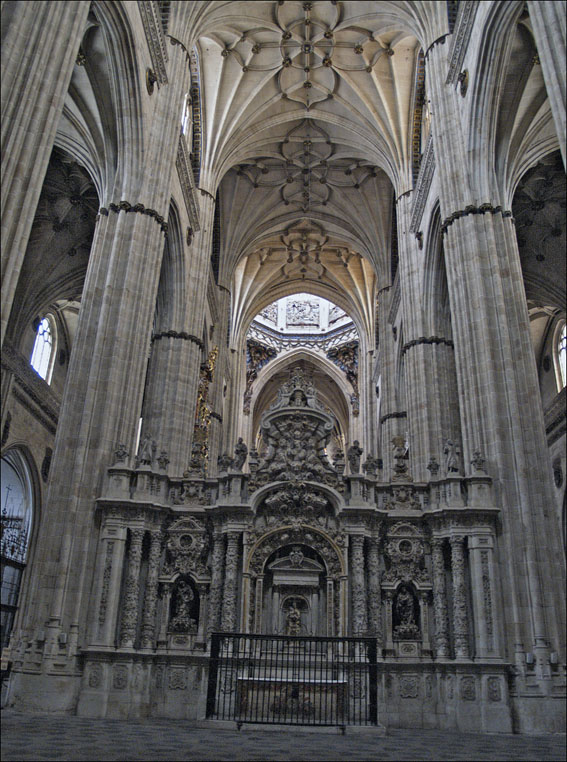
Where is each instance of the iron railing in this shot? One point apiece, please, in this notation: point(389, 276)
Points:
point(292, 680)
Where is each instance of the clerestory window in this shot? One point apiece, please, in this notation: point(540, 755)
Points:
point(561, 355)
point(43, 353)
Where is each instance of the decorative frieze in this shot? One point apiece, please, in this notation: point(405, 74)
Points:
point(187, 181)
point(151, 21)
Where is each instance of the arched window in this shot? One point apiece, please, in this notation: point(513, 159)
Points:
point(560, 347)
point(43, 355)
point(16, 515)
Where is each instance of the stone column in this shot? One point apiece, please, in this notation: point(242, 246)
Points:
point(203, 590)
point(230, 582)
point(151, 592)
point(374, 590)
point(359, 614)
point(166, 590)
point(424, 598)
point(215, 595)
point(258, 603)
point(389, 596)
point(548, 24)
point(440, 600)
point(460, 613)
point(109, 574)
point(40, 42)
point(481, 562)
point(132, 590)
point(330, 608)
point(499, 395)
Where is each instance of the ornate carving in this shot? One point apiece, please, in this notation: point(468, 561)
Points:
point(401, 455)
point(257, 355)
point(120, 454)
point(404, 549)
point(360, 623)
point(461, 36)
point(177, 679)
point(200, 446)
point(296, 431)
point(289, 535)
point(215, 596)
point(187, 544)
point(487, 599)
point(188, 189)
point(374, 602)
point(422, 185)
point(163, 460)
point(403, 498)
point(119, 677)
point(468, 688)
point(105, 581)
point(409, 686)
point(478, 462)
point(154, 37)
point(230, 578)
point(132, 589)
point(405, 615)
point(95, 675)
point(494, 689)
point(460, 614)
point(151, 592)
point(183, 597)
point(433, 468)
point(440, 610)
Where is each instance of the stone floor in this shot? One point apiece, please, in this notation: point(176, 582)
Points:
point(56, 737)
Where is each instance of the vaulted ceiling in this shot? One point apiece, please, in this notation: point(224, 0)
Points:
point(307, 115)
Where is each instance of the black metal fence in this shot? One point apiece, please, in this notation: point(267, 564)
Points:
point(290, 680)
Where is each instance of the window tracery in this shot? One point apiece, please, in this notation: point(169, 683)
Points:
point(43, 354)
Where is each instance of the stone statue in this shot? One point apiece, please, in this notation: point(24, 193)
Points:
point(353, 454)
point(452, 453)
point(240, 453)
point(293, 620)
point(182, 621)
point(146, 451)
point(404, 608)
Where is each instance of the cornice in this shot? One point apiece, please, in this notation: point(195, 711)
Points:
point(154, 35)
point(461, 37)
point(422, 185)
point(185, 172)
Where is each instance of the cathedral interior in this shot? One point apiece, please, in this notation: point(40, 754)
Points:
point(284, 358)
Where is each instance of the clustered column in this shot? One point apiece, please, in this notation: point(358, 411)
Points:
point(132, 592)
point(360, 623)
point(230, 579)
point(440, 600)
point(151, 594)
point(460, 617)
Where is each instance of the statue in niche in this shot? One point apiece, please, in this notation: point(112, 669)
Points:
point(404, 607)
point(182, 621)
point(401, 454)
point(452, 453)
point(146, 451)
point(240, 453)
point(353, 454)
point(293, 620)
point(406, 626)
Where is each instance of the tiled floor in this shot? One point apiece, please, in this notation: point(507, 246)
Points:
point(56, 737)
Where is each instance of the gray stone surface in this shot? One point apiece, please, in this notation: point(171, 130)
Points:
point(49, 737)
